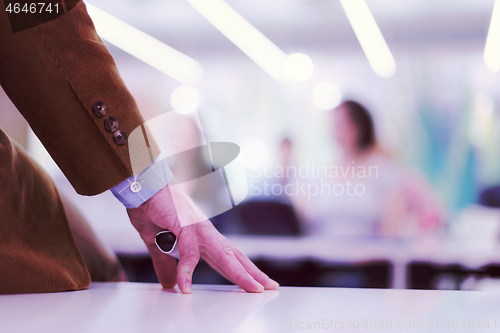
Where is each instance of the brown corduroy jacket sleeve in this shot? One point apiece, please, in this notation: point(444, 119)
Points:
point(54, 73)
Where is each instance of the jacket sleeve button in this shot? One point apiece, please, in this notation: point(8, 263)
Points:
point(111, 124)
point(120, 137)
point(99, 108)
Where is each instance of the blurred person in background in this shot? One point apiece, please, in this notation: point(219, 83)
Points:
point(372, 194)
point(286, 150)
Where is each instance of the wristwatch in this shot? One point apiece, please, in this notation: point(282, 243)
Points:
point(167, 243)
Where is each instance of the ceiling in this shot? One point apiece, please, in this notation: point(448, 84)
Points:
point(295, 25)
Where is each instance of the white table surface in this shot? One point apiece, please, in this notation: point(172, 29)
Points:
point(140, 307)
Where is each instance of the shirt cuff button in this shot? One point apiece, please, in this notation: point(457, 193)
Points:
point(135, 187)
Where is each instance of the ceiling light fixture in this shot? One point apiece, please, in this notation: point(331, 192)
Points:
point(145, 48)
point(492, 48)
point(371, 39)
point(244, 35)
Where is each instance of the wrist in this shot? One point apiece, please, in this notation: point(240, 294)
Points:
point(160, 209)
point(171, 208)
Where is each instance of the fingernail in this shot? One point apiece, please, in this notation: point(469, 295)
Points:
point(273, 285)
point(260, 288)
point(187, 288)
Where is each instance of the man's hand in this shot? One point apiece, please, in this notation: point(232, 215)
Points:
point(194, 240)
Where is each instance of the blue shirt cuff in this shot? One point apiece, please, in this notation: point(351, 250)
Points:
point(136, 190)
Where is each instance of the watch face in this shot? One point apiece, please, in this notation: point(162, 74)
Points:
point(165, 240)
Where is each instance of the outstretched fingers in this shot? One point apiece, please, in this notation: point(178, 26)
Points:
point(255, 272)
point(215, 266)
point(224, 256)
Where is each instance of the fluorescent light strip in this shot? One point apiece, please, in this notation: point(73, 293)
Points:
point(492, 48)
point(145, 48)
point(370, 37)
point(244, 35)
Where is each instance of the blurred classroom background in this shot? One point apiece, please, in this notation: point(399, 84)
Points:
point(434, 102)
